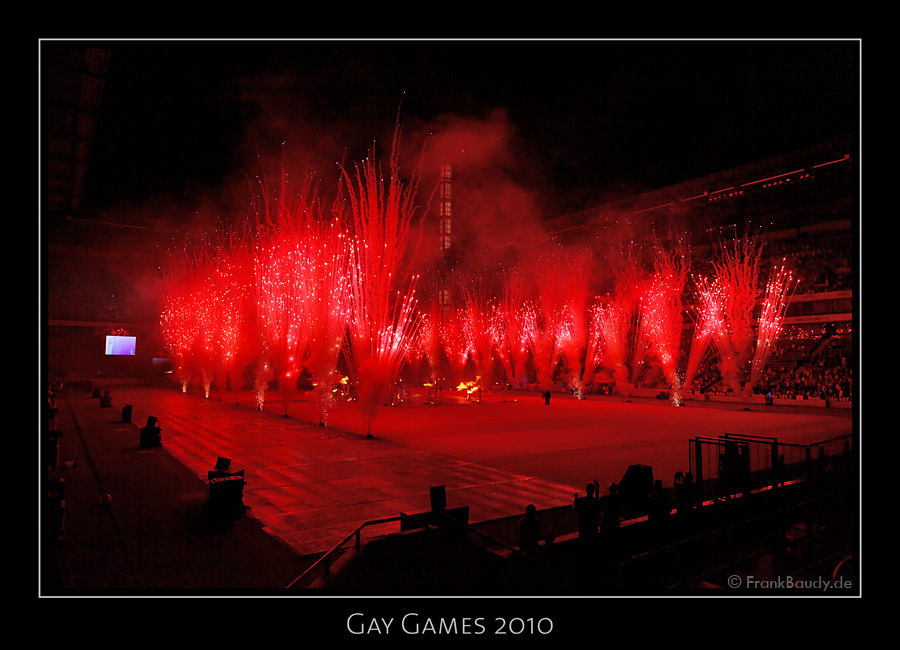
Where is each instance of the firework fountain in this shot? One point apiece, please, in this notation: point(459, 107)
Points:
point(617, 325)
point(232, 281)
point(551, 324)
point(573, 285)
point(663, 317)
point(779, 290)
point(726, 307)
point(481, 327)
point(285, 268)
point(204, 351)
point(430, 340)
point(613, 322)
point(640, 326)
point(737, 277)
point(593, 353)
point(539, 337)
point(457, 346)
point(328, 309)
point(189, 316)
point(511, 342)
point(179, 330)
point(708, 324)
point(384, 320)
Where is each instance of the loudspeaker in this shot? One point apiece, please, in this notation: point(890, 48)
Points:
point(217, 473)
point(222, 470)
point(150, 434)
point(415, 521)
point(126, 413)
point(438, 498)
point(227, 493)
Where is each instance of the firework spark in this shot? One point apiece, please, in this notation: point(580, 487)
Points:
point(778, 293)
point(663, 315)
point(384, 317)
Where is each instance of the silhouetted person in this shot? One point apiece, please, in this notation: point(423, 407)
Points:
point(547, 398)
point(588, 509)
point(743, 471)
point(677, 491)
point(684, 496)
point(609, 546)
point(734, 469)
point(611, 508)
point(658, 506)
point(530, 535)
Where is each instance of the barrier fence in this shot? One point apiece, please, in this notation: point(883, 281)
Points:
point(739, 465)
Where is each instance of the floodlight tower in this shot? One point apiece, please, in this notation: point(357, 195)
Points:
point(444, 225)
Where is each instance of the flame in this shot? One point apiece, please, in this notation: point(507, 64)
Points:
point(470, 386)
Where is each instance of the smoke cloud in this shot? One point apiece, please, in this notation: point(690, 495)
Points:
point(497, 203)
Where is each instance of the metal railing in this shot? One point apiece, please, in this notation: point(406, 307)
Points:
point(741, 464)
point(325, 560)
point(680, 562)
point(477, 537)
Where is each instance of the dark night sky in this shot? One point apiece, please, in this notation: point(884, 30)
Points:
point(180, 118)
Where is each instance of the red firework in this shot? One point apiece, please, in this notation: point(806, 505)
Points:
point(300, 285)
point(709, 324)
point(384, 317)
point(188, 320)
point(480, 329)
point(662, 313)
point(456, 344)
point(779, 290)
point(328, 308)
point(617, 324)
point(737, 278)
point(558, 329)
point(511, 341)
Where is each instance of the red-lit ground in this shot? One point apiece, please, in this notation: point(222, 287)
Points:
point(573, 441)
point(312, 485)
